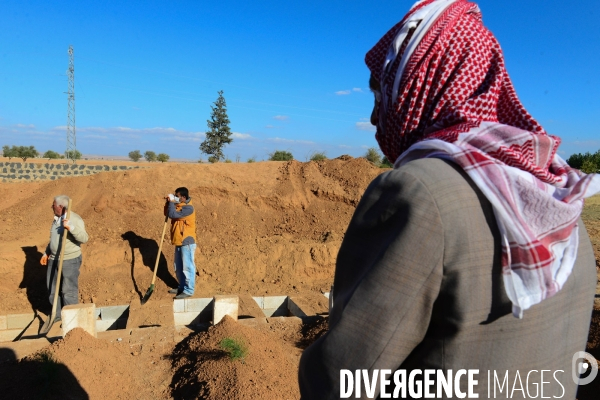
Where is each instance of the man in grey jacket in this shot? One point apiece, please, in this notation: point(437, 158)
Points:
point(469, 257)
point(76, 236)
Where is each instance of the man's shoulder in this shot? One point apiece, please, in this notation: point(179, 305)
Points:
point(75, 216)
point(430, 172)
point(189, 205)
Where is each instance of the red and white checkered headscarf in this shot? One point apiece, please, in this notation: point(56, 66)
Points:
point(445, 93)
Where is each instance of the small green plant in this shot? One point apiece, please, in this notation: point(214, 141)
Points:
point(235, 348)
point(213, 159)
point(373, 155)
point(318, 156)
point(251, 160)
point(228, 160)
point(386, 163)
point(163, 157)
point(280, 155)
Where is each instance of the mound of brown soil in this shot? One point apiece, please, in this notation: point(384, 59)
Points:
point(268, 227)
point(204, 370)
point(49, 373)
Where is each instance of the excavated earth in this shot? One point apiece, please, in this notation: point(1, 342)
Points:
point(267, 228)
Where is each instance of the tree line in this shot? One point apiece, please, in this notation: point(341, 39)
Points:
point(588, 163)
point(150, 156)
point(25, 152)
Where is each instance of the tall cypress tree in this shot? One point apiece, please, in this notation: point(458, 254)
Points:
point(218, 134)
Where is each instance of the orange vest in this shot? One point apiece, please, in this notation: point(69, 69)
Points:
point(183, 227)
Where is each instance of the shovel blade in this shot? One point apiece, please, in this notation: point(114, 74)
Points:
point(47, 325)
point(148, 294)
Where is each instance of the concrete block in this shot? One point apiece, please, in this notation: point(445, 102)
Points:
point(79, 316)
point(103, 326)
point(260, 300)
point(187, 318)
point(225, 305)
point(9, 335)
point(179, 305)
point(197, 305)
point(274, 301)
point(3, 323)
point(114, 312)
point(294, 309)
point(18, 321)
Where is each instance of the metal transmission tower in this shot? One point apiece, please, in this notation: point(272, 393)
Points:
point(71, 139)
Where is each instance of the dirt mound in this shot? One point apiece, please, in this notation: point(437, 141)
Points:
point(268, 227)
point(48, 373)
point(203, 369)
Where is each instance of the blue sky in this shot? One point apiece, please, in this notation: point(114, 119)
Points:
point(293, 73)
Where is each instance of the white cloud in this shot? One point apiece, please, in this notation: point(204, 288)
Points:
point(240, 136)
point(365, 126)
point(281, 117)
point(179, 138)
point(357, 89)
point(344, 146)
point(343, 92)
point(588, 143)
point(95, 137)
point(290, 141)
point(31, 126)
point(270, 127)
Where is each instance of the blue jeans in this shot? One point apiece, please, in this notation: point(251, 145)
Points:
point(185, 269)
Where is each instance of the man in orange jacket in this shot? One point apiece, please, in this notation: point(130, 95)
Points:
point(183, 236)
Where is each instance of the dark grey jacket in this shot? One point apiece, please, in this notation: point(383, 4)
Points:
point(418, 285)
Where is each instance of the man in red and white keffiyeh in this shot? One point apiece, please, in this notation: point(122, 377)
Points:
point(478, 218)
point(444, 92)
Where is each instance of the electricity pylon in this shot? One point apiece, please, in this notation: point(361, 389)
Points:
point(71, 138)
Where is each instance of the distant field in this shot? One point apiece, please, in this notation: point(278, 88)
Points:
point(591, 210)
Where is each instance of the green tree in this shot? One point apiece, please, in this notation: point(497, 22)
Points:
point(373, 155)
point(318, 156)
point(385, 163)
point(280, 155)
point(162, 157)
point(51, 154)
point(24, 152)
point(218, 134)
point(73, 155)
point(135, 155)
point(8, 152)
point(588, 163)
point(150, 156)
point(589, 167)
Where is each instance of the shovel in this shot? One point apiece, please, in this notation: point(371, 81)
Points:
point(151, 288)
point(50, 321)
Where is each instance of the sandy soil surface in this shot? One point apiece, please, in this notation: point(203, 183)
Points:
point(262, 228)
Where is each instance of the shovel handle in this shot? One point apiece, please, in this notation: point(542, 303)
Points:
point(162, 237)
